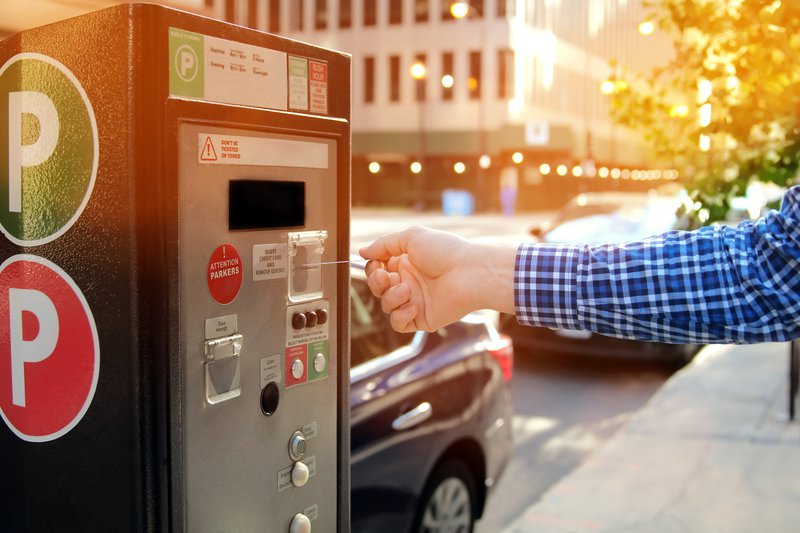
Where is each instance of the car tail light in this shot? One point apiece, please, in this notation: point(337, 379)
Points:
point(502, 350)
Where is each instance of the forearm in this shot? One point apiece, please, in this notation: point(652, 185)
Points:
point(715, 285)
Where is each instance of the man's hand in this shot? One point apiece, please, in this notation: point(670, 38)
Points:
point(427, 279)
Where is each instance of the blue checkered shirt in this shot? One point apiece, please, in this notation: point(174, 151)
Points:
point(718, 284)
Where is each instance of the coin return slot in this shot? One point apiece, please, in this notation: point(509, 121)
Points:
point(222, 368)
point(270, 397)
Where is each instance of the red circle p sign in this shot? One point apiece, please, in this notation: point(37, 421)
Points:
point(49, 349)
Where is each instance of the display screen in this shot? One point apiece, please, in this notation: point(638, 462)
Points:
point(255, 204)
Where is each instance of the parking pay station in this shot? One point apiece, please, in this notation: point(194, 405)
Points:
point(173, 356)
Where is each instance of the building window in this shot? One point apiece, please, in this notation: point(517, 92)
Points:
point(370, 12)
point(395, 11)
point(421, 9)
point(505, 74)
point(321, 14)
point(447, 76)
point(420, 84)
point(506, 8)
point(369, 79)
point(230, 11)
point(274, 16)
point(445, 9)
point(394, 78)
point(296, 15)
point(252, 14)
point(345, 13)
point(474, 82)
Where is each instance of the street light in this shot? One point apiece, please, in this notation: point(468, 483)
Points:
point(647, 28)
point(460, 10)
point(418, 70)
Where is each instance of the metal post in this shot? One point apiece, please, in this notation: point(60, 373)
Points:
point(794, 375)
point(419, 203)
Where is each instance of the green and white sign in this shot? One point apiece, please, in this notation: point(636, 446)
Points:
point(49, 149)
point(218, 70)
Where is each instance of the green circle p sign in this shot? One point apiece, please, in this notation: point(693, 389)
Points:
point(49, 149)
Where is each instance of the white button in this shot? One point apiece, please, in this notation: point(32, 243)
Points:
point(319, 362)
point(297, 369)
point(299, 474)
point(300, 524)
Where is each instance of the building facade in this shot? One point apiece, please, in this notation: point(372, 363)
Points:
point(509, 98)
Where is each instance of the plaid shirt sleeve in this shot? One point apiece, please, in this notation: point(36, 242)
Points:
point(715, 285)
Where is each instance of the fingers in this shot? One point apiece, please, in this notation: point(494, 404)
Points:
point(394, 297)
point(372, 266)
point(379, 279)
point(378, 282)
point(402, 319)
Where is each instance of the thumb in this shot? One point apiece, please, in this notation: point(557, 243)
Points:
point(391, 245)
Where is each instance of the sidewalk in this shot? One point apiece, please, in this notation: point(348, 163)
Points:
point(711, 452)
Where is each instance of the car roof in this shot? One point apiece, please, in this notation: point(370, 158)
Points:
point(612, 197)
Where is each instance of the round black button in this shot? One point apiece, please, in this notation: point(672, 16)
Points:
point(322, 316)
point(311, 319)
point(270, 396)
point(299, 321)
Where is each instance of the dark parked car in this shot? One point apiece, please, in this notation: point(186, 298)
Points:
point(598, 218)
point(430, 419)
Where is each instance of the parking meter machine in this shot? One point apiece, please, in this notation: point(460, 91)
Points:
point(173, 351)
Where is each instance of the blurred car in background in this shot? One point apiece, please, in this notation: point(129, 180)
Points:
point(599, 218)
point(430, 419)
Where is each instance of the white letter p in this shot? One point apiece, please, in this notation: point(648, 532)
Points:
point(28, 155)
point(30, 351)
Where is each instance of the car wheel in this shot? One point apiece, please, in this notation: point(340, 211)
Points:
point(448, 501)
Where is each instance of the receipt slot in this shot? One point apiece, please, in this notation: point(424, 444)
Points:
point(173, 351)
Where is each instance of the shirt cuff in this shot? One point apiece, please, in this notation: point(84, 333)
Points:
point(545, 285)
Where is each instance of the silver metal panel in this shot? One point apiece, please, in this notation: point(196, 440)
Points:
point(233, 454)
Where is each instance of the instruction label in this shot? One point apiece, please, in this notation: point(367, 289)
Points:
point(214, 149)
point(298, 83)
point(219, 70)
point(269, 261)
point(318, 86)
point(221, 326)
point(271, 369)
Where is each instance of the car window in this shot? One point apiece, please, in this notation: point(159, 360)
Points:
point(370, 333)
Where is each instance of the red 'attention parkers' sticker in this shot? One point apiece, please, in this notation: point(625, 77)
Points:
point(224, 273)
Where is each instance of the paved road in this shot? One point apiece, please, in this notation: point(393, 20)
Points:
point(566, 407)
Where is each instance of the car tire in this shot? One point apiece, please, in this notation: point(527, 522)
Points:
point(448, 503)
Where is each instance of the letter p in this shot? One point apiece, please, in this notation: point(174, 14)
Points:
point(29, 351)
point(28, 155)
point(187, 63)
